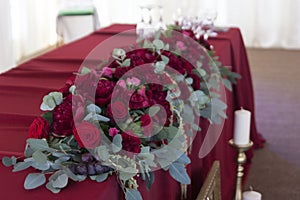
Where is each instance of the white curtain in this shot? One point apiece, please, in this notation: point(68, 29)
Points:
point(6, 49)
point(26, 26)
point(264, 23)
point(29, 25)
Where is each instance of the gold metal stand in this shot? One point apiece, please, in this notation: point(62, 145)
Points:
point(241, 159)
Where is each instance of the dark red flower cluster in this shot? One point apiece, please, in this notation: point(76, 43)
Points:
point(131, 143)
point(63, 118)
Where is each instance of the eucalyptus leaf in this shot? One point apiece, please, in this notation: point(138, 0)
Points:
point(189, 81)
point(41, 166)
point(158, 44)
point(183, 159)
point(159, 67)
point(84, 71)
point(178, 172)
point(149, 180)
point(61, 181)
point(92, 108)
point(102, 152)
point(38, 144)
point(133, 194)
point(153, 110)
point(102, 177)
point(34, 180)
point(165, 59)
point(50, 187)
point(39, 157)
point(70, 174)
point(22, 165)
point(126, 63)
point(118, 52)
point(125, 175)
point(6, 161)
point(227, 84)
point(117, 143)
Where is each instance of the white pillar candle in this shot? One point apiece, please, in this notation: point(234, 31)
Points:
point(251, 195)
point(241, 134)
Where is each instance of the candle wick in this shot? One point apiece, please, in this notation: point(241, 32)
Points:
point(242, 108)
point(251, 188)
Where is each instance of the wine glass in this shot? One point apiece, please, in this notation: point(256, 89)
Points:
point(141, 24)
point(160, 25)
point(208, 23)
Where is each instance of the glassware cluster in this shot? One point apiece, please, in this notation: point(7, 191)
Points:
point(152, 20)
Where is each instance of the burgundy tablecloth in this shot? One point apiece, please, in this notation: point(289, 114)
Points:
point(22, 90)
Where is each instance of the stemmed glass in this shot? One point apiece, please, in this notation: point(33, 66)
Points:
point(141, 24)
point(160, 25)
point(208, 25)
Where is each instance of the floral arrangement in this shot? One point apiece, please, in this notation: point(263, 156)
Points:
point(137, 113)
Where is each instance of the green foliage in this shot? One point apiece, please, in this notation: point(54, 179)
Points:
point(133, 194)
point(34, 180)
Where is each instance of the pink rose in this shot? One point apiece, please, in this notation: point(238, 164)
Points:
point(113, 131)
point(107, 72)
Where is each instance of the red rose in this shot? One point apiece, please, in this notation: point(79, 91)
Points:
point(87, 135)
point(63, 118)
point(39, 128)
point(103, 92)
point(146, 123)
point(117, 110)
point(131, 143)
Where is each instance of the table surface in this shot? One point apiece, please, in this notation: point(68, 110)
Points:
point(22, 90)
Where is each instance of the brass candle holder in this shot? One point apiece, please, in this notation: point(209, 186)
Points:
point(241, 159)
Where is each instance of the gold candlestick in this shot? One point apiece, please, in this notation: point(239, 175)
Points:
point(241, 159)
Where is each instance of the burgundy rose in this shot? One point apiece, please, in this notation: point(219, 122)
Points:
point(87, 135)
point(103, 92)
point(119, 110)
point(130, 143)
point(39, 128)
point(138, 101)
point(120, 71)
point(63, 118)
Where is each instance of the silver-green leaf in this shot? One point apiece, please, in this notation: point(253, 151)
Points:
point(133, 194)
point(61, 181)
point(34, 180)
point(102, 177)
